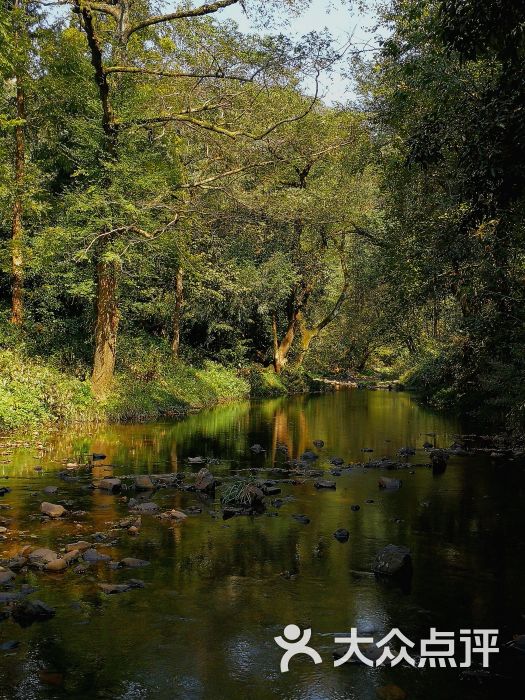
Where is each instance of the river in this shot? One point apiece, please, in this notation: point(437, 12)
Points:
point(218, 591)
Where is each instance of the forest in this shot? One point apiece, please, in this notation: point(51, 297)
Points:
point(186, 220)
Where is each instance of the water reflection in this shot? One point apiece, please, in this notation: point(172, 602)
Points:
point(218, 592)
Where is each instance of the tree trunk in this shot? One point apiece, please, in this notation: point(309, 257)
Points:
point(281, 349)
point(177, 313)
point(106, 328)
point(106, 299)
point(17, 257)
point(307, 335)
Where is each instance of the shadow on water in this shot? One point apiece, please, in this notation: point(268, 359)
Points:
point(216, 592)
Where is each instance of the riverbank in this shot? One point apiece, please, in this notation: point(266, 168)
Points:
point(34, 393)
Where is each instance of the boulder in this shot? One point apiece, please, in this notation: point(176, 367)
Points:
point(205, 481)
point(143, 482)
point(42, 556)
point(337, 461)
point(50, 489)
point(112, 485)
point(53, 510)
point(309, 455)
point(391, 560)
point(56, 565)
point(6, 575)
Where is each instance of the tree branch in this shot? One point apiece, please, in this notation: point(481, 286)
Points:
point(201, 11)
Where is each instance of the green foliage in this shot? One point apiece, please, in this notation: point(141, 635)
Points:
point(32, 393)
point(264, 382)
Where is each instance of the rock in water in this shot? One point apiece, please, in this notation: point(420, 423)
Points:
point(257, 449)
point(337, 461)
point(80, 546)
point(111, 588)
point(143, 482)
point(56, 565)
point(319, 443)
point(28, 611)
point(325, 484)
point(6, 575)
point(53, 510)
point(205, 481)
point(50, 489)
point(111, 485)
point(303, 519)
point(309, 455)
point(341, 535)
point(132, 563)
point(92, 555)
point(406, 452)
point(355, 507)
point(42, 556)
point(145, 508)
point(393, 559)
point(390, 484)
point(439, 458)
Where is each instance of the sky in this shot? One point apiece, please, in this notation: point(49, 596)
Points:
point(341, 18)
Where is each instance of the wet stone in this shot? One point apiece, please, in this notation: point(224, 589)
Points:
point(390, 484)
point(53, 510)
point(325, 484)
point(144, 483)
point(303, 519)
point(341, 535)
point(91, 555)
point(391, 560)
point(132, 563)
point(144, 508)
point(29, 611)
point(111, 485)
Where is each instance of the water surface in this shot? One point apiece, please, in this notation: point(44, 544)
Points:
point(217, 591)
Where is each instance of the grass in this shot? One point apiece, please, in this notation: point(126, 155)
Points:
point(33, 393)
